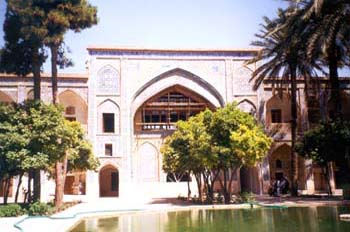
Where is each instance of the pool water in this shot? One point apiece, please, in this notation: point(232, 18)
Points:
point(262, 219)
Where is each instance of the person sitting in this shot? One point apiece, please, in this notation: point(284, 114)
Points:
point(279, 186)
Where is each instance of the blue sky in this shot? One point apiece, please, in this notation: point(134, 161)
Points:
point(167, 24)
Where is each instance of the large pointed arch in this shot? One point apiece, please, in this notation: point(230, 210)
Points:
point(72, 100)
point(174, 77)
point(161, 111)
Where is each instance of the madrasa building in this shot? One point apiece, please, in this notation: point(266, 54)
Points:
point(129, 100)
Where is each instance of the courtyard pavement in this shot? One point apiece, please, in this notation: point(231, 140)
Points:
point(113, 206)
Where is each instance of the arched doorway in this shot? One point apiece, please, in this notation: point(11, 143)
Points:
point(109, 181)
point(279, 162)
point(250, 180)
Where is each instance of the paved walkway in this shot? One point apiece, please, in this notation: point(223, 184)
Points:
point(108, 206)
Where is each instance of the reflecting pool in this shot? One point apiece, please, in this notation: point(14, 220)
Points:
point(261, 219)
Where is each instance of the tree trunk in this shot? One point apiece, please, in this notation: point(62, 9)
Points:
point(334, 81)
point(188, 188)
point(59, 185)
point(293, 155)
point(224, 188)
point(208, 187)
point(18, 186)
point(60, 166)
point(37, 93)
point(6, 189)
point(54, 52)
point(37, 185)
point(29, 193)
point(36, 75)
point(226, 191)
point(60, 181)
point(199, 186)
point(233, 171)
point(327, 176)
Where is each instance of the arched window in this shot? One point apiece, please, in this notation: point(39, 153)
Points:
point(278, 163)
point(108, 117)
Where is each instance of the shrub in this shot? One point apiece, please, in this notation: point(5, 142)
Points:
point(11, 210)
point(39, 208)
point(346, 191)
point(245, 197)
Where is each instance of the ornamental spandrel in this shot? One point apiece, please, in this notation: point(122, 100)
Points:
point(108, 79)
point(241, 84)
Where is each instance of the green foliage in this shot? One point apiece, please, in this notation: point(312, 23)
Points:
point(38, 209)
point(11, 210)
point(236, 138)
point(346, 191)
point(13, 141)
point(45, 128)
point(23, 35)
point(327, 142)
point(34, 136)
point(214, 142)
point(225, 138)
point(188, 148)
point(31, 24)
point(77, 148)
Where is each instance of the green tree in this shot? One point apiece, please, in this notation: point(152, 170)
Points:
point(328, 41)
point(23, 52)
point(74, 151)
point(35, 136)
point(13, 141)
point(237, 141)
point(187, 150)
point(329, 142)
point(59, 17)
point(214, 143)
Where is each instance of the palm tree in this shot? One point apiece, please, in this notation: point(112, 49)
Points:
point(284, 57)
point(328, 40)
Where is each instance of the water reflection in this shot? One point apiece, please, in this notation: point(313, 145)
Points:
point(272, 220)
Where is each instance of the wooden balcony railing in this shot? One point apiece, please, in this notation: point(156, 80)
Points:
point(159, 126)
